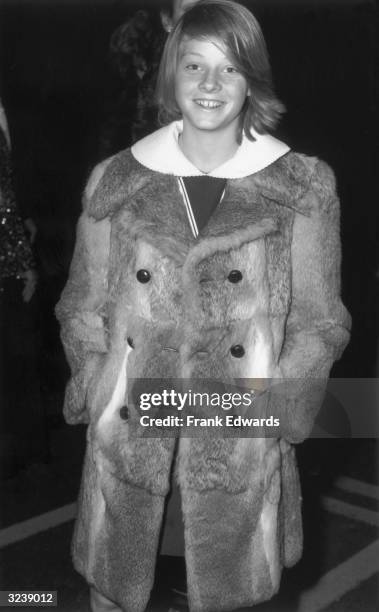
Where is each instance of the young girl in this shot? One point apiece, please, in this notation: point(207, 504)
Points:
point(208, 250)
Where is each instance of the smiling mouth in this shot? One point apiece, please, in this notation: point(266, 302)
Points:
point(208, 104)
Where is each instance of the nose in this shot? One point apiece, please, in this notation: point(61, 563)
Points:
point(210, 81)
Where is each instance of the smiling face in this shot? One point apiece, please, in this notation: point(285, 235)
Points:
point(209, 89)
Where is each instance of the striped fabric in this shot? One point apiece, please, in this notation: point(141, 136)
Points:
point(201, 196)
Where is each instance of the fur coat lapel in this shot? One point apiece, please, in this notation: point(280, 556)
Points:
point(141, 164)
point(156, 209)
point(251, 208)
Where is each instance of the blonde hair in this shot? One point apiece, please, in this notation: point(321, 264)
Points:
point(239, 31)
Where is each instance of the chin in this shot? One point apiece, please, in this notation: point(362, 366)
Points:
point(207, 123)
point(209, 127)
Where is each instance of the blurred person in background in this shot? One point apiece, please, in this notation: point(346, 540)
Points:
point(135, 51)
point(22, 426)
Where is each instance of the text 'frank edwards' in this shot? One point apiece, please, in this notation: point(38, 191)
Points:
point(217, 421)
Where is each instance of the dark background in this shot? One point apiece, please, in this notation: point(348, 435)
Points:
point(55, 79)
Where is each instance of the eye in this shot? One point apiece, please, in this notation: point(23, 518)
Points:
point(192, 67)
point(231, 70)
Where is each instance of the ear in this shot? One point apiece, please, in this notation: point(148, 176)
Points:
point(166, 21)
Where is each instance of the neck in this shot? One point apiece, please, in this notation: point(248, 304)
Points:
point(208, 150)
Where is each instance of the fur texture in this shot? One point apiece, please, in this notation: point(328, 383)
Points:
point(240, 497)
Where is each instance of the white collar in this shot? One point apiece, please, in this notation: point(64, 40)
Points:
point(160, 152)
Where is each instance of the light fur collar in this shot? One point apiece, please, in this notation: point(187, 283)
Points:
point(160, 152)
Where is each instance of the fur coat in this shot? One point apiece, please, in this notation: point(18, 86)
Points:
point(278, 224)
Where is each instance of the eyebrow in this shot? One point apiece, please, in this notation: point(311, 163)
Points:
point(192, 53)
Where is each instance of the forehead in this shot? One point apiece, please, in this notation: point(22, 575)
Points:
point(208, 47)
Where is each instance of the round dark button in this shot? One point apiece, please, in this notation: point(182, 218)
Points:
point(237, 350)
point(130, 342)
point(235, 276)
point(124, 413)
point(143, 276)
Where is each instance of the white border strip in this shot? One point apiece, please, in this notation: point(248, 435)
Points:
point(28, 528)
point(357, 486)
point(340, 580)
point(357, 513)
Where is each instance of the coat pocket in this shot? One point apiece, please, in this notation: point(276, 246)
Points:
point(118, 437)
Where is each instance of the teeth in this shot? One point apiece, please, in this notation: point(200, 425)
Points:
point(208, 103)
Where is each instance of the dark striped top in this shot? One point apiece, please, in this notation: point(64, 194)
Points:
point(202, 195)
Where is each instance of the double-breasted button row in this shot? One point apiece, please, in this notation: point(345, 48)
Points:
point(238, 351)
point(144, 276)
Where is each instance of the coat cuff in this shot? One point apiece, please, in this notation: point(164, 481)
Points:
point(75, 407)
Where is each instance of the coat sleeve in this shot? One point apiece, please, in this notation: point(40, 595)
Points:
point(81, 308)
point(318, 324)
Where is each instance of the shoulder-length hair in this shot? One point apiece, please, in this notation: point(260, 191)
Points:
point(239, 32)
